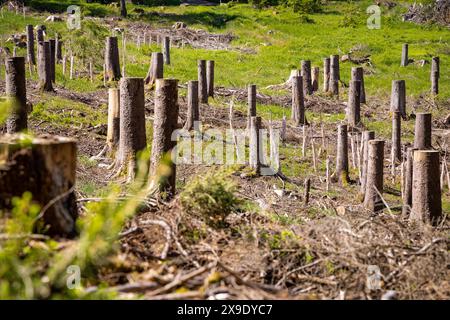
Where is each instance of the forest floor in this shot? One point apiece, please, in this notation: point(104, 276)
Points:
point(274, 245)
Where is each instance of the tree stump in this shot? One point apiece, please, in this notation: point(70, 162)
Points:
point(17, 93)
point(210, 77)
point(255, 144)
point(298, 103)
point(405, 60)
point(408, 182)
point(30, 45)
point(341, 173)
point(113, 131)
point(306, 74)
point(44, 166)
point(156, 69)
point(123, 8)
point(435, 73)
point(353, 105)
point(334, 75)
point(426, 191)
point(165, 123)
point(251, 104)
point(326, 74)
point(112, 59)
point(315, 79)
point(193, 113)
point(398, 97)
point(367, 136)
point(374, 182)
point(132, 137)
point(202, 83)
point(40, 34)
point(52, 59)
point(166, 50)
point(58, 49)
point(358, 74)
point(422, 131)
point(44, 66)
point(396, 138)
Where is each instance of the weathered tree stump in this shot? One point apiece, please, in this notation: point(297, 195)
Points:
point(202, 82)
point(210, 77)
point(45, 167)
point(298, 103)
point(405, 60)
point(398, 97)
point(374, 182)
point(30, 45)
point(408, 182)
point(255, 144)
point(306, 74)
point(123, 8)
point(315, 79)
point(367, 136)
point(334, 75)
point(426, 191)
point(358, 74)
point(58, 49)
point(435, 74)
point(353, 105)
point(326, 74)
point(44, 66)
point(52, 59)
point(113, 131)
point(166, 121)
point(396, 138)
point(307, 186)
point(112, 59)
point(166, 50)
point(251, 103)
point(132, 137)
point(156, 69)
point(422, 131)
point(17, 93)
point(193, 113)
point(341, 173)
point(40, 34)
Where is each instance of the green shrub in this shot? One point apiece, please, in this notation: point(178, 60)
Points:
point(210, 197)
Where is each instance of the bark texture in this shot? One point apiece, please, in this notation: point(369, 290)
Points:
point(202, 82)
point(426, 190)
point(422, 131)
point(46, 168)
point(298, 103)
point(30, 45)
point(374, 182)
point(306, 74)
point(112, 59)
point(358, 74)
point(398, 97)
point(193, 113)
point(52, 58)
point(166, 121)
point(353, 105)
point(44, 66)
point(210, 77)
point(334, 75)
point(17, 92)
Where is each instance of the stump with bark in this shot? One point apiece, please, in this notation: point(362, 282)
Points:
point(422, 131)
point(112, 61)
point(251, 103)
point(166, 50)
point(326, 74)
point(426, 190)
point(193, 114)
point(30, 45)
point(58, 49)
point(353, 106)
point(45, 167)
point(358, 74)
point(374, 180)
point(398, 97)
point(162, 166)
point(298, 103)
point(132, 138)
point(44, 66)
point(334, 75)
point(435, 75)
point(202, 82)
point(52, 59)
point(17, 94)
point(366, 137)
point(407, 182)
point(396, 138)
point(315, 79)
point(341, 173)
point(156, 69)
point(306, 74)
point(210, 77)
point(255, 144)
point(405, 60)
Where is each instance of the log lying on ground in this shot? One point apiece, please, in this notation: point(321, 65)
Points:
point(45, 167)
point(165, 123)
point(17, 92)
point(156, 69)
point(426, 190)
point(112, 61)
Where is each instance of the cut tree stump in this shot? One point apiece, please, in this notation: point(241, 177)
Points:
point(422, 131)
point(255, 144)
point(367, 136)
point(407, 182)
point(435, 75)
point(17, 93)
point(210, 77)
point(162, 166)
point(396, 152)
point(251, 103)
point(30, 45)
point(44, 166)
point(193, 114)
point(334, 75)
point(44, 66)
point(358, 74)
point(398, 97)
point(405, 60)
point(326, 74)
point(202, 82)
point(315, 79)
point(156, 69)
point(426, 190)
point(354, 104)
point(112, 59)
point(52, 59)
point(306, 74)
point(298, 102)
point(341, 173)
point(166, 50)
point(374, 182)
